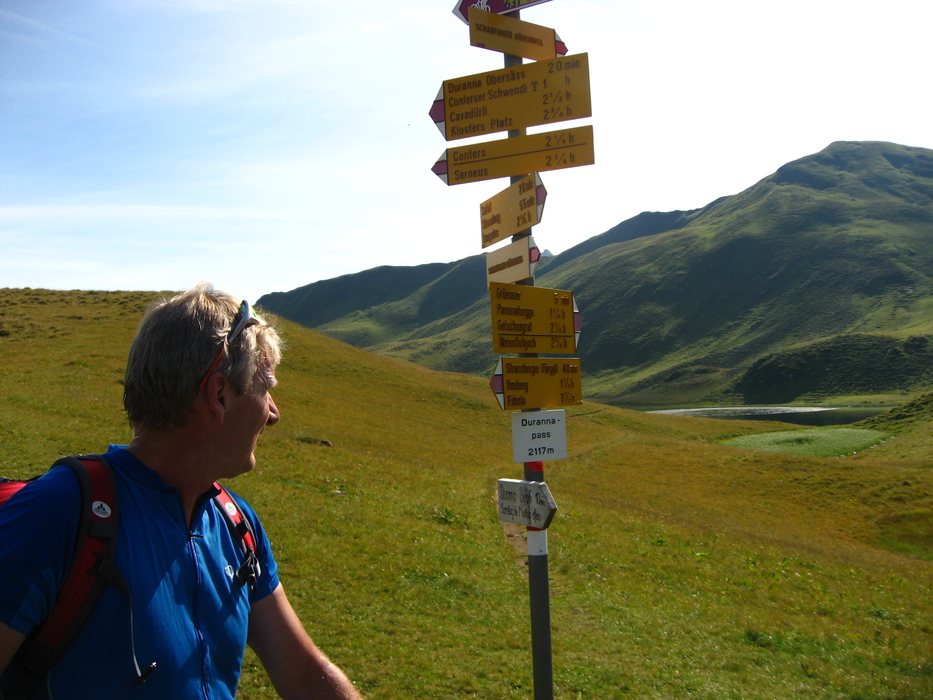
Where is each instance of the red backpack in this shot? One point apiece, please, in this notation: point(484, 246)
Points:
point(93, 568)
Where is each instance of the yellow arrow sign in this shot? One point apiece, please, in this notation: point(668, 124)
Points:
point(514, 209)
point(514, 262)
point(544, 92)
point(533, 319)
point(553, 150)
point(525, 382)
point(513, 36)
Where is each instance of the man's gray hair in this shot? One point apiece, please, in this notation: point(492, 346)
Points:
point(174, 347)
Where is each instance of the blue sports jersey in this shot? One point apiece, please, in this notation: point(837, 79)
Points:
point(189, 615)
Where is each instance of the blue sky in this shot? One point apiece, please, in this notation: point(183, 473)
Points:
point(263, 145)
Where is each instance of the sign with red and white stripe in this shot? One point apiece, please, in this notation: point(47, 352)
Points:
point(528, 319)
point(500, 7)
point(552, 150)
point(512, 98)
point(516, 208)
point(514, 262)
point(522, 383)
point(513, 36)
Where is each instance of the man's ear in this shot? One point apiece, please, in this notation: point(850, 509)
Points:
point(215, 396)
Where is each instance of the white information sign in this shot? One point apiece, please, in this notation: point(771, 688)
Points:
point(527, 503)
point(539, 436)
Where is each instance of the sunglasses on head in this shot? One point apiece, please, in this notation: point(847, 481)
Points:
point(244, 318)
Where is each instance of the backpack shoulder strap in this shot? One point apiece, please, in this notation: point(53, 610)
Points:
point(10, 487)
point(93, 556)
point(242, 531)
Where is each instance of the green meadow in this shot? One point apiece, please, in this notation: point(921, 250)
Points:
point(834, 442)
point(680, 566)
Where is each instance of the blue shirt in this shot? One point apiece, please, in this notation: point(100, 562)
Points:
point(189, 616)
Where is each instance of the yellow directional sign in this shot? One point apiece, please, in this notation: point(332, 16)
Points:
point(526, 382)
point(553, 150)
point(533, 319)
point(514, 262)
point(514, 209)
point(513, 36)
point(544, 92)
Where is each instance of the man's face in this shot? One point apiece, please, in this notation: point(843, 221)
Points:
point(248, 416)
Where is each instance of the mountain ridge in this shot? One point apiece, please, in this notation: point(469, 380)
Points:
point(678, 307)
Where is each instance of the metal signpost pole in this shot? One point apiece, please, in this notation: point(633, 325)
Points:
point(540, 599)
point(538, 585)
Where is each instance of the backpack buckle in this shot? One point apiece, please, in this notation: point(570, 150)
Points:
point(249, 572)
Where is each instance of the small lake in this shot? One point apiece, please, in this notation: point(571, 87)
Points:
point(799, 415)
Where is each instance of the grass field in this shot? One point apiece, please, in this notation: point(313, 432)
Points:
point(835, 442)
point(680, 567)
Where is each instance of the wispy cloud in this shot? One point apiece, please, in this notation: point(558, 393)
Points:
point(19, 26)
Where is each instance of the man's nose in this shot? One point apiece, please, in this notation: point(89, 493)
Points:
point(274, 414)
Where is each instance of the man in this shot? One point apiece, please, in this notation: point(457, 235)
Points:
point(197, 395)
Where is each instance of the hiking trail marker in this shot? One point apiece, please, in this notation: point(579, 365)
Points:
point(533, 382)
point(552, 150)
point(530, 94)
point(489, 30)
point(516, 208)
point(539, 435)
point(500, 7)
point(535, 323)
point(529, 319)
point(527, 503)
point(514, 262)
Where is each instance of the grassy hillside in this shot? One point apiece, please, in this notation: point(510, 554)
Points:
point(835, 244)
point(757, 297)
point(385, 303)
point(680, 567)
point(321, 302)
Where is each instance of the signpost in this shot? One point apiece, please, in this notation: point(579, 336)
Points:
point(512, 36)
point(516, 208)
point(527, 503)
point(514, 262)
point(462, 8)
point(544, 92)
point(524, 318)
point(553, 150)
point(539, 435)
point(532, 382)
point(533, 319)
